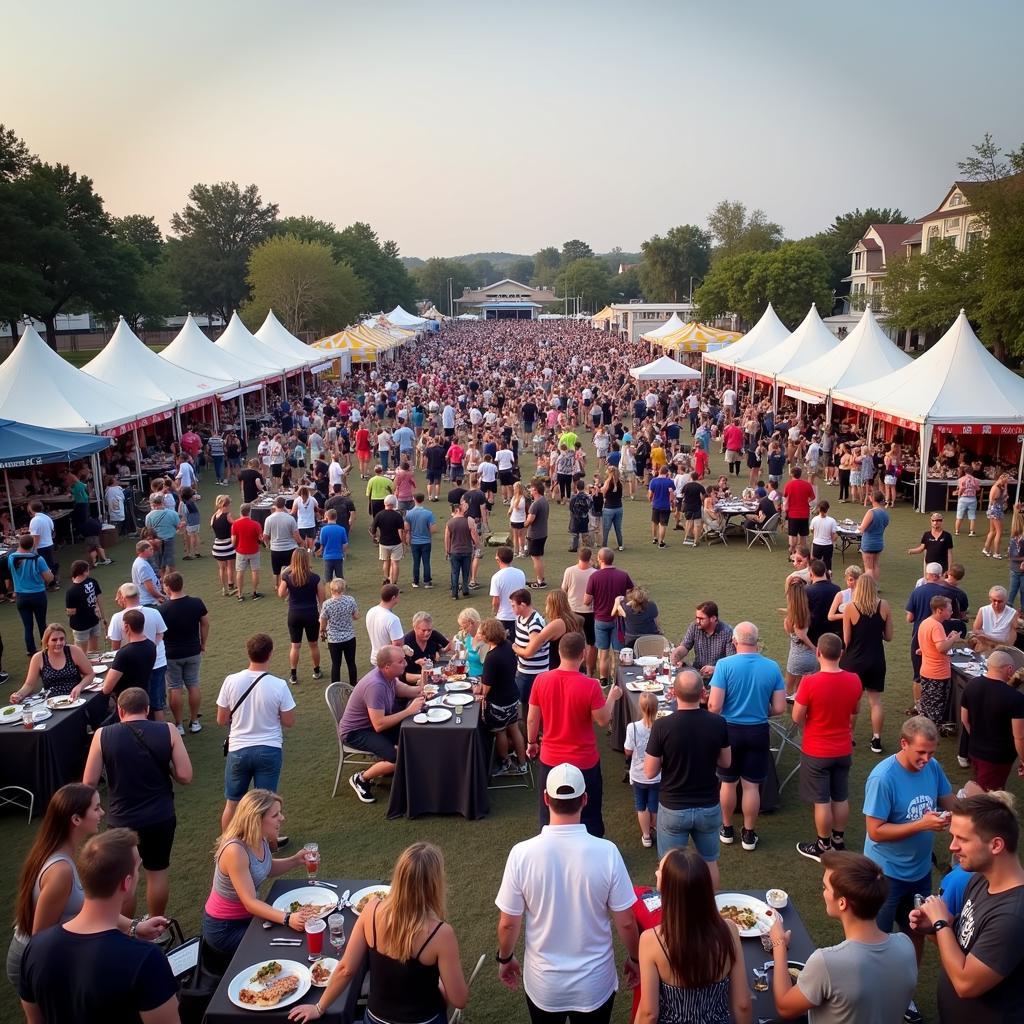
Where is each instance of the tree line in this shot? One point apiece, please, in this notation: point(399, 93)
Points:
point(228, 250)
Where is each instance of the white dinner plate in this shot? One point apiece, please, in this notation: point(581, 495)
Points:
point(320, 895)
point(330, 963)
point(641, 686)
point(420, 719)
point(100, 670)
point(382, 888)
point(458, 686)
point(764, 913)
point(434, 702)
point(55, 703)
point(10, 714)
point(647, 660)
point(290, 967)
point(438, 715)
point(459, 699)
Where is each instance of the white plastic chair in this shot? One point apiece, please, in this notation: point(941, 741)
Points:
point(455, 1017)
point(765, 533)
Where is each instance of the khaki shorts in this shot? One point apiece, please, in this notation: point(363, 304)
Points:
point(243, 562)
point(390, 551)
point(83, 636)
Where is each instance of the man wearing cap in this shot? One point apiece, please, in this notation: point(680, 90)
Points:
point(570, 887)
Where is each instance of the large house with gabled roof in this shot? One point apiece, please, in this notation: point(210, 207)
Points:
point(506, 300)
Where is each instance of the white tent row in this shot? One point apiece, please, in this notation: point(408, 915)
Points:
point(273, 335)
point(765, 335)
point(670, 326)
point(400, 318)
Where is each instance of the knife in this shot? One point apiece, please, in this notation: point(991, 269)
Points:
point(286, 942)
point(331, 884)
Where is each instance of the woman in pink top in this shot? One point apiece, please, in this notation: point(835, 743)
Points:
point(405, 486)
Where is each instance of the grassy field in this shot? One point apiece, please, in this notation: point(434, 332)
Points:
point(357, 840)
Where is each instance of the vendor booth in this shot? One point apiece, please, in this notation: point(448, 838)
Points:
point(664, 368)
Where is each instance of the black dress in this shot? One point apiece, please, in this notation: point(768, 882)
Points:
point(866, 652)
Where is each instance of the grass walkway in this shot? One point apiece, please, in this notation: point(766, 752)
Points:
point(357, 841)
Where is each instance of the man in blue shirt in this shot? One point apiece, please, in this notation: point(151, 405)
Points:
point(746, 689)
point(662, 492)
point(422, 524)
point(406, 441)
point(333, 542)
point(907, 799)
point(31, 575)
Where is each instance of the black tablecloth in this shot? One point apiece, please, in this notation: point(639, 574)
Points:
point(958, 683)
point(627, 710)
point(442, 768)
point(255, 947)
point(43, 760)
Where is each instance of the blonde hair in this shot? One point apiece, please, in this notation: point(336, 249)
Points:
point(417, 897)
point(247, 824)
point(853, 572)
point(648, 708)
point(299, 570)
point(865, 595)
point(1017, 523)
point(557, 607)
point(469, 615)
point(54, 627)
point(338, 585)
point(222, 500)
point(637, 598)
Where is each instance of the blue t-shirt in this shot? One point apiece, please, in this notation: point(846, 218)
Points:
point(871, 539)
point(333, 539)
point(952, 888)
point(897, 795)
point(27, 570)
point(614, 458)
point(748, 681)
point(420, 519)
point(404, 438)
point(919, 603)
point(661, 488)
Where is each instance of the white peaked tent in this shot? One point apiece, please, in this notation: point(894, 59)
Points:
point(664, 368)
point(129, 365)
point(765, 335)
point(864, 355)
point(40, 387)
point(400, 318)
point(809, 341)
point(274, 335)
point(194, 351)
point(671, 325)
point(242, 343)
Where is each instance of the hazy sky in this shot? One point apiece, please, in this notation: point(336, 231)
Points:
point(454, 127)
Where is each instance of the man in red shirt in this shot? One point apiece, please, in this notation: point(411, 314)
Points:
point(565, 705)
point(248, 537)
point(826, 703)
point(732, 444)
point(603, 587)
point(797, 496)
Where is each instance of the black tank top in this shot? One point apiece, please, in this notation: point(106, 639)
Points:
point(137, 757)
point(403, 992)
point(613, 497)
point(867, 646)
point(221, 528)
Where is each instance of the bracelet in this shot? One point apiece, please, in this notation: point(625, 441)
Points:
point(136, 921)
point(319, 1009)
point(531, 743)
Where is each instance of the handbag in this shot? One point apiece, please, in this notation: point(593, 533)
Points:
point(238, 704)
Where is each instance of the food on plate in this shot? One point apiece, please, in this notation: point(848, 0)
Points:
point(272, 994)
point(10, 712)
point(654, 686)
point(743, 917)
point(62, 702)
point(318, 908)
point(269, 970)
point(379, 894)
point(320, 973)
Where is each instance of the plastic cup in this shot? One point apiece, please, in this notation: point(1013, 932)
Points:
point(315, 928)
point(336, 925)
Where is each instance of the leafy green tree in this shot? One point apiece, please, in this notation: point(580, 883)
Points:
point(484, 272)
point(303, 284)
point(20, 283)
point(671, 263)
point(388, 283)
point(431, 281)
point(575, 249)
point(521, 270)
point(587, 278)
point(843, 234)
point(734, 231)
point(216, 231)
point(310, 229)
point(724, 289)
point(624, 287)
point(143, 234)
point(546, 263)
point(15, 157)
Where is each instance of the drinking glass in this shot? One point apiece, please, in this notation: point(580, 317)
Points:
point(336, 924)
point(315, 929)
point(311, 855)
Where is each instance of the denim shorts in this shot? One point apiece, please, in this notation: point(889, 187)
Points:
point(645, 796)
point(183, 671)
point(224, 934)
point(967, 508)
point(259, 765)
point(158, 689)
point(675, 827)
point(900, 901)
point(606, 635)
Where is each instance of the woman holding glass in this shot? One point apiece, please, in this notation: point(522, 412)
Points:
point(415, 969)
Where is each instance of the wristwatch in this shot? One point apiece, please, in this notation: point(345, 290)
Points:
point(287, 919)
point(939, 925)
point(498, 958)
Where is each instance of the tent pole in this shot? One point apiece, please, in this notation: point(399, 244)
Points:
point(1020, 469)
point(216, 415)
point(10, 504)
point(926, 446)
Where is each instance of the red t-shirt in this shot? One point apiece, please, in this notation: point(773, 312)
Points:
point(798, 494)
point(732, 438)
point(566, 700)
point(246, 534)
point(362, 440)
point(455, 453)
point(830, 699)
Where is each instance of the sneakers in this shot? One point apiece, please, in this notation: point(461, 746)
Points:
point(912, 1015)
point(362, 789)
point(962, 761)
point(180, 728)
point(196, 726)
point(748, 839)
point(813, 851)
point(415, 585)
point(538, 585)
point(4, 676)
point(282, 842)
point(838, 843)
point(317, 674)
point(428, 586)
point(727, 835)
point(293, 676)
point(473, 585)
point(876, 744)
point(257, 596)
point(105, 561)
point(646, 841)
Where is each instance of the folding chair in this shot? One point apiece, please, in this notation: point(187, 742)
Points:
point(765, 533)
point(337, 696)
point(456, 1015)
point(191, 963)
point(14, 795)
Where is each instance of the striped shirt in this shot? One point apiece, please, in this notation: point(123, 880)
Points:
point(525, 628)
point(216, 446)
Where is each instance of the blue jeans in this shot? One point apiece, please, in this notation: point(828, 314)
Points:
point(158, 689)
point(218, 466)
point(676, 827)
point(606, 635)
point(611, 517)
point(460, 564)
point(1016, 586)
point(421, 559)
point(382, 458)
point(32, 605)
point(900, 902)
point(524, 684)
point(333, 567)
point(258, 765)
point(224, 934)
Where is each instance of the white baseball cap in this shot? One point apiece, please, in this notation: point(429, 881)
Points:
point(565, 782)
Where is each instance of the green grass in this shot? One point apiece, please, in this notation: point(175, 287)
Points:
point(358, 841)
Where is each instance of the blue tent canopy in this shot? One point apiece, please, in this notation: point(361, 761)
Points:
point(22, 444)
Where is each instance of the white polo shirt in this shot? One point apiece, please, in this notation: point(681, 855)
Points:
point(505, 582)
point(383, 627)
point(566, 883)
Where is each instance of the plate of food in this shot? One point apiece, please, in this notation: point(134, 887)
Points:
point(793, 966)
point(647, 661)
point(458, 700)
point(322, 900)
point(752, 916)
point(11, 713)
point(108, 657)
point(439, 715)
point(269, 985)
point(320, 973)
point(458, 684)
point(64, 703)
point(360, 898)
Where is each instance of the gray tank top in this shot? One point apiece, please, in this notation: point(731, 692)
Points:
point(259, 869)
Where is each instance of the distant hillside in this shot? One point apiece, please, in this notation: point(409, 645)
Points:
point(499, 260)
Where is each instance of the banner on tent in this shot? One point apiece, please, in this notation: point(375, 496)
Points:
point(144, 421)
point(982, 429)
point(21, 463)
point(189, 406)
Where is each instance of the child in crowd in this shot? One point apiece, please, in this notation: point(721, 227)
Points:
point(645, 790)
